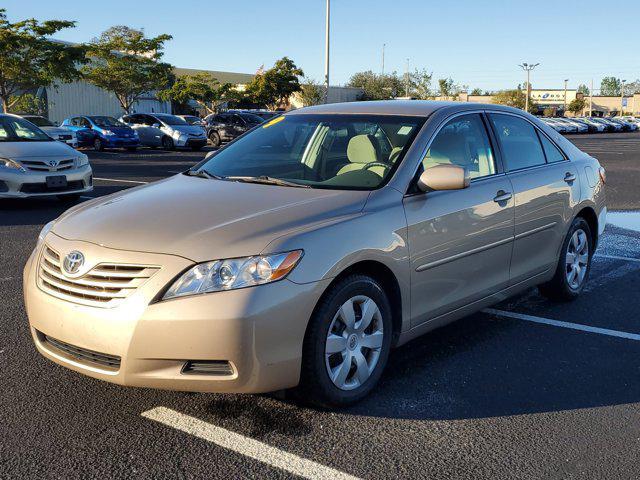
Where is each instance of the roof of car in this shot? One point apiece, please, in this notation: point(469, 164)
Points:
point(420, 108)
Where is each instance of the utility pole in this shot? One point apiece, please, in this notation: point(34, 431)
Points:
point(383, 45)
point(591, 99)
point(326, 55)
point(406, 88)
point(622, 98)
point(527, 67)
point(565, 97)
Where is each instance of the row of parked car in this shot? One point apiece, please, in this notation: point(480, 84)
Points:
point(154, 130)
point(593, 124)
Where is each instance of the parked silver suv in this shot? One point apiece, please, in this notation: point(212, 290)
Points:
point(34, 164)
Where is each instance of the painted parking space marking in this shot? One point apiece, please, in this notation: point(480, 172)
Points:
point(120, 180)
point(617, 257)
point(244, 445)
point(558, 323)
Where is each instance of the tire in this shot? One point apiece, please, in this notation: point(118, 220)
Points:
point(316, 385)
point(571, 277)
point(71, 198)
point(132, 149)
point(214, 138)
point(167, 143)
point(97, 144)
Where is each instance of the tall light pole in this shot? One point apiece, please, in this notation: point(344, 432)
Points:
point(622, 98)
point(383, 45)
point(326, 54)
point(527, 67)
point(565, 96)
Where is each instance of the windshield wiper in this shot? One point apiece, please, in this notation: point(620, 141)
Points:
point(204, 174)
point(266, 180)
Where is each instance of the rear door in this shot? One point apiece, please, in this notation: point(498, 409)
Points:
point(460, 241)
point(546, 188)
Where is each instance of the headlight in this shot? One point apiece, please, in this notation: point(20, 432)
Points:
point(11, 164)
point(108, 133)
point(220, 275)
point(135, 134)
point(44, 231)
point(82, 160)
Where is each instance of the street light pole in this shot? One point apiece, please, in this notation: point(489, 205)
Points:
point(622, 98)
point(564, 110)
point(527, 67)
point(326, 55)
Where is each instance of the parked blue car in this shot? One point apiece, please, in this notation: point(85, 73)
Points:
point(100, 132)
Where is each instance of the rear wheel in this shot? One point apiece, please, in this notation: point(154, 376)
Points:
point(214, 138)
point(167, 143)
point(574, 264)
point(347, 343)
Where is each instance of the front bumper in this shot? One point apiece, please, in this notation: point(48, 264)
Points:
point(121, 142)
point(34, 184)
point(258, 330)
point(191, 142)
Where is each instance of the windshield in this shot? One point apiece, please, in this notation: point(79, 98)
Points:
point(107, 122)
point(251, 118)
point(171, 120)
point(13, 129)
point(41, 121)
point(355, 152)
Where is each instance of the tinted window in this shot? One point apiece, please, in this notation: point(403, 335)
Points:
point(171, 119)
point(464, 142)
point(550, 150)
point(13, 129)
point(520, 145)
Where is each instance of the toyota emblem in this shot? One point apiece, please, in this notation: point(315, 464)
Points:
point(72, 262)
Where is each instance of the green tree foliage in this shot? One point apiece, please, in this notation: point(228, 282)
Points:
point(632, 87)
point(476, 91)
point(577, 105)
point(514, 98)
point(420, 84)
point(124, 61)
point(28, 103)
point(29, 59)
point(202, 88)
point(311, 93)
point(583, 89)
point(274, 87)
point(378, 87)
point(610, 86)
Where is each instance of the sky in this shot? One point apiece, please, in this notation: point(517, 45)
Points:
point(477, 43)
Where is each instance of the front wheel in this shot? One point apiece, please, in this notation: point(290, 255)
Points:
point(214, 138)
point(347, 343)
point(167, 143)
point(574, 264)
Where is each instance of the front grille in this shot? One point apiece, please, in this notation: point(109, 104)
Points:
point(207, 367)
point(105, 285)
point(43, 166)
point(42, 187)
point(91, 357)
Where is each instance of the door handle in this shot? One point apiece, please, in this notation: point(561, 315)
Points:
point(502, 196)
point(569, 177)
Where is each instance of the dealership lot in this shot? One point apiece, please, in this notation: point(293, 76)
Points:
point(530, 389)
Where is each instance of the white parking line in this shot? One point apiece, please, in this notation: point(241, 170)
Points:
point(617, 257)
point(120, 180)
point(246, 446)
point(558, 323)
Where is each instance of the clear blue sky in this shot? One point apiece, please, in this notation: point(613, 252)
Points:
point(477, 43)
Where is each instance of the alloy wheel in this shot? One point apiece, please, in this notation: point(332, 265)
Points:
point(354, 342)
point(577, 259)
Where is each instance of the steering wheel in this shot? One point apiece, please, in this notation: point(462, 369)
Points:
point(376, 164)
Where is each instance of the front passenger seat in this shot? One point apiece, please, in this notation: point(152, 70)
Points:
point(362, 150)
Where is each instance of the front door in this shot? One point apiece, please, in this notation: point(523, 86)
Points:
point(546, 188)
point(460, 241)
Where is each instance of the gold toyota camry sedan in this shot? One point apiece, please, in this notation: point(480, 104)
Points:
point(301, 253)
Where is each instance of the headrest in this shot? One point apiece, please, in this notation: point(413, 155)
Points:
point(361, 149)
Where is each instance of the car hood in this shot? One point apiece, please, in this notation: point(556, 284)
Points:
point(194, 129)
point(201, 219)
point(18, 150)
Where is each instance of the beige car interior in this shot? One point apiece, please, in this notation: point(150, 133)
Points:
point(361, 151)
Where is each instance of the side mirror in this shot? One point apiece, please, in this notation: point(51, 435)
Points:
point(444, 177)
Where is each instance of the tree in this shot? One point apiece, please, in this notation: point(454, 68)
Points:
point(476, 91)
point(632, 87)
point(274, 87)
point(28, 103)
point(610, 87)
point(420, 84)
point(29, 60)
point(127, 63)
point(576, 105)
point(378, 87)
point(583, 89)
point(514, 98)
point(202, 88)
point(311, 93)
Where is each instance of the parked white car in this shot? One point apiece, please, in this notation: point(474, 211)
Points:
point(34, 164)
point(54, 131)
point(166, 131)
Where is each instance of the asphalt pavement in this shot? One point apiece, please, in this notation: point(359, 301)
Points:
point(532, 389)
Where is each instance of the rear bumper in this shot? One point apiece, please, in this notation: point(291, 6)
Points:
point(33, 184)
point(257, 331)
